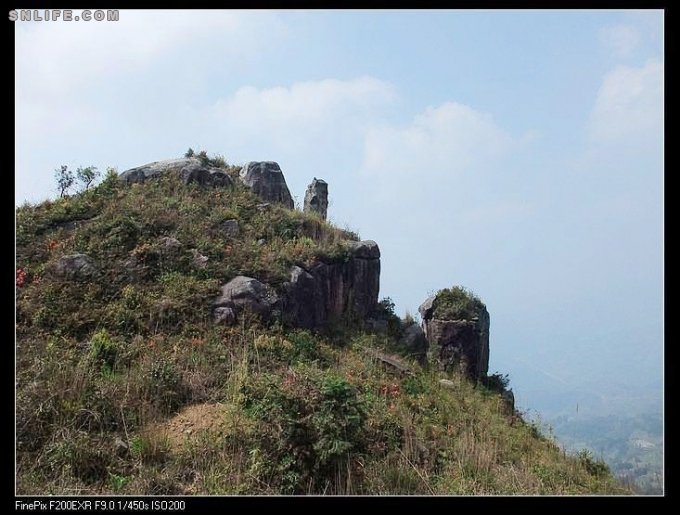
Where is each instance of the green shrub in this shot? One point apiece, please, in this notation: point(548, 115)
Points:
point(103, 350)
point(496, 382)
point(456, 303)
point(166, 389)
point(595, 467)
point(310, 429)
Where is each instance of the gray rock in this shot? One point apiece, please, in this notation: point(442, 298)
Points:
point(230, 228)
point(266, 180)
point(220, 179)
point(247, 294)
point(415, 342)
point(224, 315)
point(316, 198)
point(169, 247)
point(331, 291)
point(199, 260)
point(204, 176)
point(303, 302)
point(75, 267)
point(367, 249)
point(447, 383)
point(459, 344)
point(195, 173)
point(426, 308)
point(150, 170)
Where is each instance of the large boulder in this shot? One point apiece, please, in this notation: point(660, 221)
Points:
point(367, 249)
point(245, 294)
point(75, 267)
point(458, 343)
point(316, 198)
point(266, 179)
point(204, 176)
point(325, 292)
point(151, 170)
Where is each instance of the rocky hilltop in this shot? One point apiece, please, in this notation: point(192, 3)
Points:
point(313, 295)
point(325, 292)
point(183, 328)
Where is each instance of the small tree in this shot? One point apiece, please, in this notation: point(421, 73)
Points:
point(86, 176)
point(65, 180)
point(189, 153)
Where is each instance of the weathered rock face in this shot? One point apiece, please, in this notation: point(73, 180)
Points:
point(328, 291)
point(316, 198)
point(204, 176)
point(462, 344)
point(244, 294)
point(266, 179)
point(75, 267)
point(150, 170)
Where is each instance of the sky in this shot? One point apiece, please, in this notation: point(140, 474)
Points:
point(516, 153)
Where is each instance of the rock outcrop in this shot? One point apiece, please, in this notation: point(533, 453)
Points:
point(203, 176)
point(330, 291)
point(266, 180)
point(316, 198)
point(150, 170)
point(189, 169)
point(457, 343)
point(244, 294)
point(75, 267)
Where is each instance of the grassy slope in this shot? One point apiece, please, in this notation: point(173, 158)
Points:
point(124, 385)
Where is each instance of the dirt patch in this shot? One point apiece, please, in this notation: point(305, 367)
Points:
point(193, 421)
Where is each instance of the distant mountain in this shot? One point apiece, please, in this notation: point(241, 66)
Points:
point(632, 445)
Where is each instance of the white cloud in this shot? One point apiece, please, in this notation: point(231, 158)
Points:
point(304, 115)
point(57, 57)
point(629, 104)
point(621, 40)
point(449, 139)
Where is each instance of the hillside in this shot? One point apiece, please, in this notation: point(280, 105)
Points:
point(176, 334)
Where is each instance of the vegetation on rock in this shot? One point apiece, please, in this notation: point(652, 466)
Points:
point(456, 303)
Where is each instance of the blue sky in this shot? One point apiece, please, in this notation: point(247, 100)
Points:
point(518, 153)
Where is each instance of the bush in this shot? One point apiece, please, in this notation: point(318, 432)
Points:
point(310, 428)
point(595, 467)
point(385, 311)
point(103, 350)
point(456, 303)
point(496, 382)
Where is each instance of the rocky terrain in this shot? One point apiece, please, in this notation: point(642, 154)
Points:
point(183, 329)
